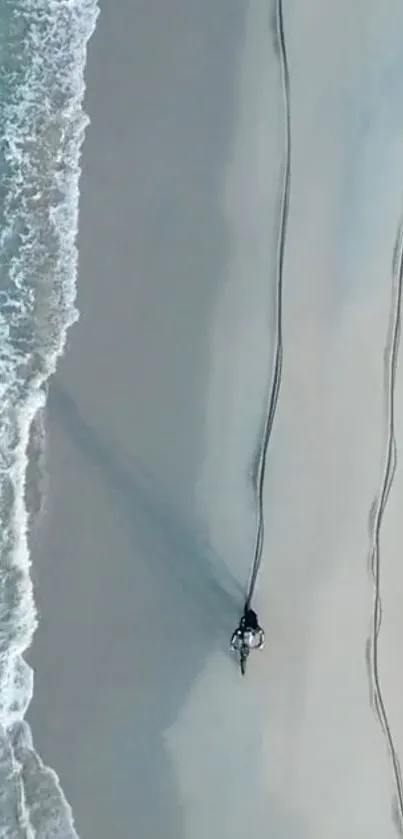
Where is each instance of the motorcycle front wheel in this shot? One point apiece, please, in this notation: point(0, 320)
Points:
point(243, 657)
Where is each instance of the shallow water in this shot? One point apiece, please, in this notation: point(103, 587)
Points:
point(42, 123)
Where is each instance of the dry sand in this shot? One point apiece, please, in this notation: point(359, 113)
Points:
point(154, 421)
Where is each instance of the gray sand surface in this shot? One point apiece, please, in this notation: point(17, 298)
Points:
point(154, 421)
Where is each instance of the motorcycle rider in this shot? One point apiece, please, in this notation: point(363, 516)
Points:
point(248, 634)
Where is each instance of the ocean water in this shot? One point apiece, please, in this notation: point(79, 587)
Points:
point(42, 123)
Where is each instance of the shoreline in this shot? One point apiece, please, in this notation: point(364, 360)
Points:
point(149, 435)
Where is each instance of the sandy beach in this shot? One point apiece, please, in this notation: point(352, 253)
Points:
point(154, 420)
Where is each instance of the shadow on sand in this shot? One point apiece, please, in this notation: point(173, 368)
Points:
point(133, 631)
point(139, 626)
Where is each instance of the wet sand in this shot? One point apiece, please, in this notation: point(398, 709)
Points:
point(154, 421)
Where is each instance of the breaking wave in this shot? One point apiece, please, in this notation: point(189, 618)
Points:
point(42, 123)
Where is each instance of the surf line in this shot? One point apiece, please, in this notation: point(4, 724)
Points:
point(376, 518)
point(278, 358)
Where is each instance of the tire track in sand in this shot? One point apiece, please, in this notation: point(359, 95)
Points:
point(278, 359)
point(376, 518)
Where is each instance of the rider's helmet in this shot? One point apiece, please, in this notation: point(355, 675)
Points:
point(249, 639)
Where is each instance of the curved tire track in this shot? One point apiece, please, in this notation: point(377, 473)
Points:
point(376, 517)
point(278, 360)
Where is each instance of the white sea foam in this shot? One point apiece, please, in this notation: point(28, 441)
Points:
point(42, 61)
